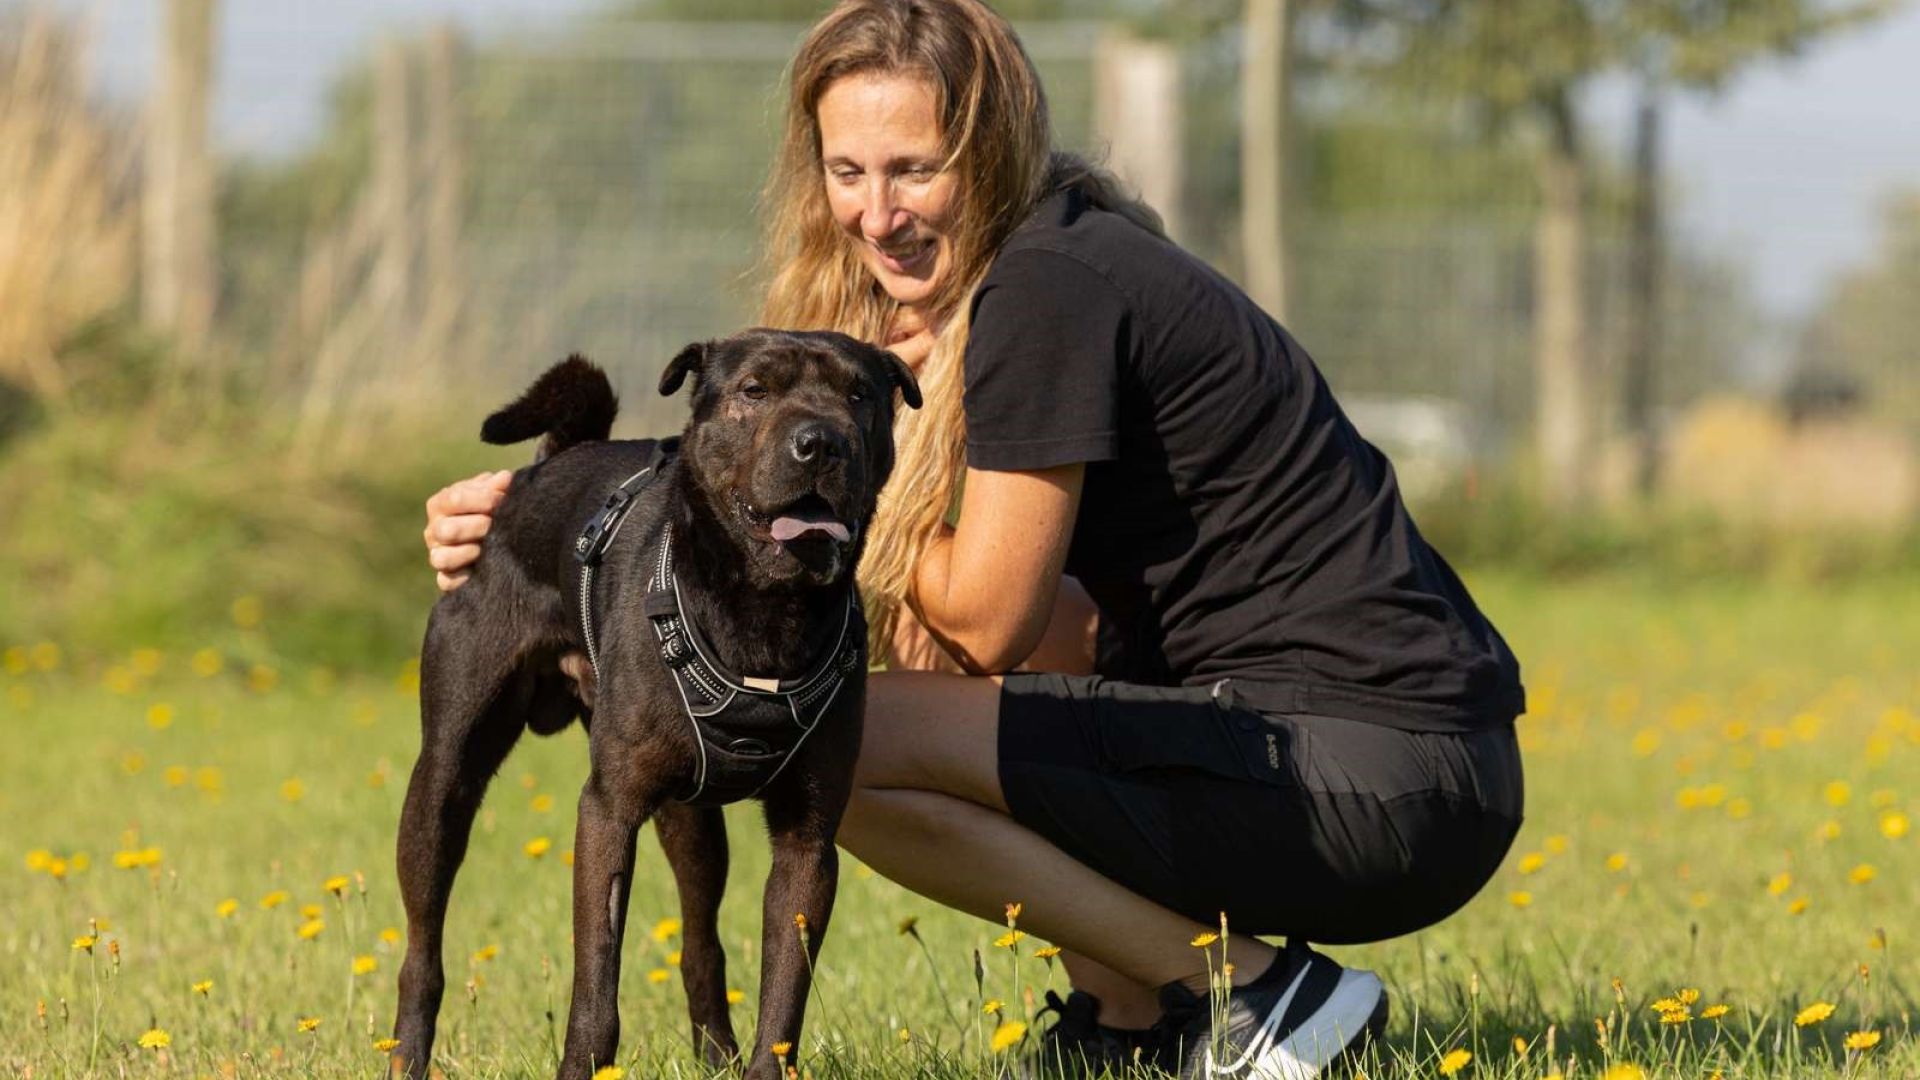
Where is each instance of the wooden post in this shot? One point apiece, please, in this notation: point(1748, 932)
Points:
point(179, 281)
point(1644, 268)
point(1265, 108)
point(1563, 387)
point(1138, 113)
point(444, 163)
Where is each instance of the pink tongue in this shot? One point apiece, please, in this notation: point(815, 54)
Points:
point(791, 528)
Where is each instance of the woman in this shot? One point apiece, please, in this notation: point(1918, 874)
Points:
point(1300, 720)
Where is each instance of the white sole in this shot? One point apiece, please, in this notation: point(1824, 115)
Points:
point(1337, 1024)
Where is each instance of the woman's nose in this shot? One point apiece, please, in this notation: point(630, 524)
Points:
point(882, 215)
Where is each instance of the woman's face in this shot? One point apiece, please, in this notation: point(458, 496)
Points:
point(881, 154)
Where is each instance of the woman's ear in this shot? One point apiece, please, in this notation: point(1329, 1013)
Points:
point(690, 360)
point(903, 376)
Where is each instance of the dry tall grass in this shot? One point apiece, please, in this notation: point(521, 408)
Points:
point(68, 219)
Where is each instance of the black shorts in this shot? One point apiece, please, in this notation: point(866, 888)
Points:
point(1335, 831)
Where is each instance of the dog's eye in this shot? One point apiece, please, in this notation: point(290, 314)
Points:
point(856, 395)
point(753, 391)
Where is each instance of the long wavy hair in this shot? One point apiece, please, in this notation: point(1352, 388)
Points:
point(997, 139)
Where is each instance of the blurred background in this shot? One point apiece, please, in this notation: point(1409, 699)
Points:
point(1622, 287)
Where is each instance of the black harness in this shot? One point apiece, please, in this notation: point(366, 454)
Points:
point(746, 728)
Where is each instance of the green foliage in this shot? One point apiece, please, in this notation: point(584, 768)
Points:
point(1868, 327)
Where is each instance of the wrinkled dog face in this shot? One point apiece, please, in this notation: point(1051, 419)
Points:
point(791, 439)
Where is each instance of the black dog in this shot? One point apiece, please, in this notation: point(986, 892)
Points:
point(712, 589)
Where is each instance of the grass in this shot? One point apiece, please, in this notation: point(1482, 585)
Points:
point(1713, 770)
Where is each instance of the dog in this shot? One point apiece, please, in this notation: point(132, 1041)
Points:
point(712, 592)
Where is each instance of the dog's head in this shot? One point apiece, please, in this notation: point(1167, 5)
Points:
point(790, 441)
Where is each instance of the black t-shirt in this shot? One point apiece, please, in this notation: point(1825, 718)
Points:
point(1232, 521)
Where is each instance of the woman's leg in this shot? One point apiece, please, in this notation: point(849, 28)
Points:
point(928, 812)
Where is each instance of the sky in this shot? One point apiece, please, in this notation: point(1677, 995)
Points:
point(1785, 171)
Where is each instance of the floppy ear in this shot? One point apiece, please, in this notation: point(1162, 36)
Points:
point(690, 360)
point(903, 376)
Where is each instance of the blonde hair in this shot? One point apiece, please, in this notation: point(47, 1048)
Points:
point(998, 140)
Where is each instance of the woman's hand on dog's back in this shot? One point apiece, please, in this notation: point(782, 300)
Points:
point(458, 517)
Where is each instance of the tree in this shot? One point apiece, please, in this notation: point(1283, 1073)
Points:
point(1521, 65)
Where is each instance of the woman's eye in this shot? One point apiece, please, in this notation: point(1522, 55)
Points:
point(753, 391)
point(844, 176)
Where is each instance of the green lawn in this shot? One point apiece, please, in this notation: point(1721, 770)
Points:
point(1721, 782)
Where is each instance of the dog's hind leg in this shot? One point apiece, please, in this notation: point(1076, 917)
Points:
point(695, 840)
point(472, 706)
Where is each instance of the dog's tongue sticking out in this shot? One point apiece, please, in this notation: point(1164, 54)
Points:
point(793, 527)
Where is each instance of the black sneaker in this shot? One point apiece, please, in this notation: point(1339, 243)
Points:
point(1297, 1018)
point(1078, 1045)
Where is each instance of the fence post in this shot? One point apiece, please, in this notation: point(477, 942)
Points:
point(1139, 114)
point(391, 190)
point(179, 283)
point(445, 165)
point(1265, 107)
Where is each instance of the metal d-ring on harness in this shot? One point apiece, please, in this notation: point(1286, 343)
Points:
point(746, 728)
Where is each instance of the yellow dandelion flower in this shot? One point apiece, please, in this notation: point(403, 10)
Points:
point(85, 942)
point(537, 847)
point(1713, 1012)
point(486, 953)
point(1616, 862)
point(390, 935)
point(1780, 884)
point(1624, 1072)
point(1688, 995)
point(781, 1049)
point(307, 1024)
point(1007, 1036)
point(800, 921)
point(160, 716)
point(1895, 825)
point(1520, 898)
point(609, 1072)
point(1666, 1004)
point(261, 679)
point(247, 611)
point(293, 790)
point(311, 911)
point(365, 964)
point(1556, 844)
point(541, 803)
point(1013, 912)
point(203, 987)
point(1828, 831)
point(1531, 862)
point(665, 929)
point(1798, 905)
point(155, 1039)
point(1519, 1046)
point(735, 997)
point(1837, 793)
point(38, 858)
point(1009, 939)
point(311, 929)
point(1862, 1040)
point(673, 958)
point(207, 663)
point(1882, 798)
point(1454, 1061)
point(57, 868)
point(1677, 1016)
point(658, 976)
point(386, 1046)
point(1862, 874)
point(905, 1035)
point(1813, 1014)
point(1204, 939)
point(1047, 952)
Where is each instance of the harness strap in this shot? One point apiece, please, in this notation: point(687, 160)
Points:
point(746, 728)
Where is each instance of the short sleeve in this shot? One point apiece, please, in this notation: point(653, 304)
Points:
point(1042, 367)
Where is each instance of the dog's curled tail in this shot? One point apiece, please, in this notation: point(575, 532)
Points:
point(570, 404)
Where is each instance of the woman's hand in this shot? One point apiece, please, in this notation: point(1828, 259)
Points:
point(458, 517)
point(911, 338)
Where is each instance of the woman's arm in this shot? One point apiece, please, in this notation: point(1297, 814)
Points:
point(1067, 647)
point(986, 589)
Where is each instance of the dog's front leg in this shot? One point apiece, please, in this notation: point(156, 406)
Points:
point(695, 840)
point(798, 904)
point(613, 805)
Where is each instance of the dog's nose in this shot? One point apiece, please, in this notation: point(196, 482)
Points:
point(817, 440)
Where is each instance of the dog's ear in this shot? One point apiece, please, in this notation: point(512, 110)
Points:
point(902, 375)
point(689, 360)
